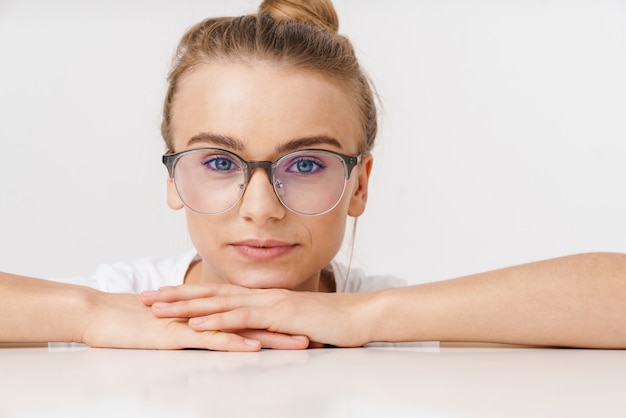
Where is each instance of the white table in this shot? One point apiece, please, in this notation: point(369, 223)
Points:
point(376, 381)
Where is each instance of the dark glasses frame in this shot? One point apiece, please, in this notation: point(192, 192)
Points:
point(349, 162)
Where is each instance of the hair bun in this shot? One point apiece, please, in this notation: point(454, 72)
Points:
point(316, 12)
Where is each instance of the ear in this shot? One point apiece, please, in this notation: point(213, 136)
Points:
point(358, 199)
point(173, 201)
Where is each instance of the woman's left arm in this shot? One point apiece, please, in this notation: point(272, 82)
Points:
point(573, 301)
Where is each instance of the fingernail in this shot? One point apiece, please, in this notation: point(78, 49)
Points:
point(195, 321)
point(149, 293)
point(251, 343)
point(160, 305)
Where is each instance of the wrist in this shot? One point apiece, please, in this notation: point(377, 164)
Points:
point(373, 316)
point(393, 315)
point(85, 305)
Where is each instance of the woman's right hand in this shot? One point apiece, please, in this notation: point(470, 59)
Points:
point(37, 311)
point(123, 321)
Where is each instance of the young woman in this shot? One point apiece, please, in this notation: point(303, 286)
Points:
point(268, 126)
point(269, 123)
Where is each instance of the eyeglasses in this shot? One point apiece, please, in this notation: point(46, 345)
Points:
point(211, 181)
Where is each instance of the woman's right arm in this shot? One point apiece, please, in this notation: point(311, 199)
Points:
point(35, 310)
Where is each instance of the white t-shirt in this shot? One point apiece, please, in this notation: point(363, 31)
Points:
point(152, 273)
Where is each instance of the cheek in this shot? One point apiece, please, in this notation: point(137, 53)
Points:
point(327, 231)
point(203, 231)
point(334, 222)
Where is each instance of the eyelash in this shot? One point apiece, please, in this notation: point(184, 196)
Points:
point(319, 164)
point(210, 162)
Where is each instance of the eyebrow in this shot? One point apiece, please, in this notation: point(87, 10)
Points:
point(307, 142)
point(292, 145)
point(220, 140)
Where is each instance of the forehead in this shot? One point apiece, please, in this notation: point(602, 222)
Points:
point(262, 106)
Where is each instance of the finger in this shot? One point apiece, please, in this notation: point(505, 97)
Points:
point(190, 291)
point(217, 341)
point(255, 324)
point(175, 293)
point(208, 305)
point(276, 341)
point(236, 319)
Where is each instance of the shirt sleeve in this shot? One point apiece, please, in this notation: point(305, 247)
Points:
point(135, 277)
point(354, 280)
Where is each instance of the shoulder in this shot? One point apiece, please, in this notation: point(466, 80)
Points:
point(142, 274)
point(355, 280)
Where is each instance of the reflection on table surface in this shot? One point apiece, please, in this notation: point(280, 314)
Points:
point(381, 380)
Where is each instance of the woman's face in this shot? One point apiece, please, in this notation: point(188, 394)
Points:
point(257, 111)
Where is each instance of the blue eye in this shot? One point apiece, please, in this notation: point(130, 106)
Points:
point(306, 165)
point(220, 164)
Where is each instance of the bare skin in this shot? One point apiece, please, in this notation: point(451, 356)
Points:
point(69, 313)
point(574, 301)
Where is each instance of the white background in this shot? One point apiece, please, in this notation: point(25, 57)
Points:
point(503, 137)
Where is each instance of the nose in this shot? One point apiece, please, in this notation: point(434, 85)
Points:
point(259, 202)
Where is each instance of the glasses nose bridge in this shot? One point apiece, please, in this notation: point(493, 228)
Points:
point(268, 166)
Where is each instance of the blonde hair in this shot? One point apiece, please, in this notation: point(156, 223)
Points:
point(297, 33)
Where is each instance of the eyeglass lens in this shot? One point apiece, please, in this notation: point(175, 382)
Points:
point(306, 182)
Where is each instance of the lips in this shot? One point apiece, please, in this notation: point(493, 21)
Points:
point(257, 249)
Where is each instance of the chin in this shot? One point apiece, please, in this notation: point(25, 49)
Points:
point(261, 283)
point(263, 279)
